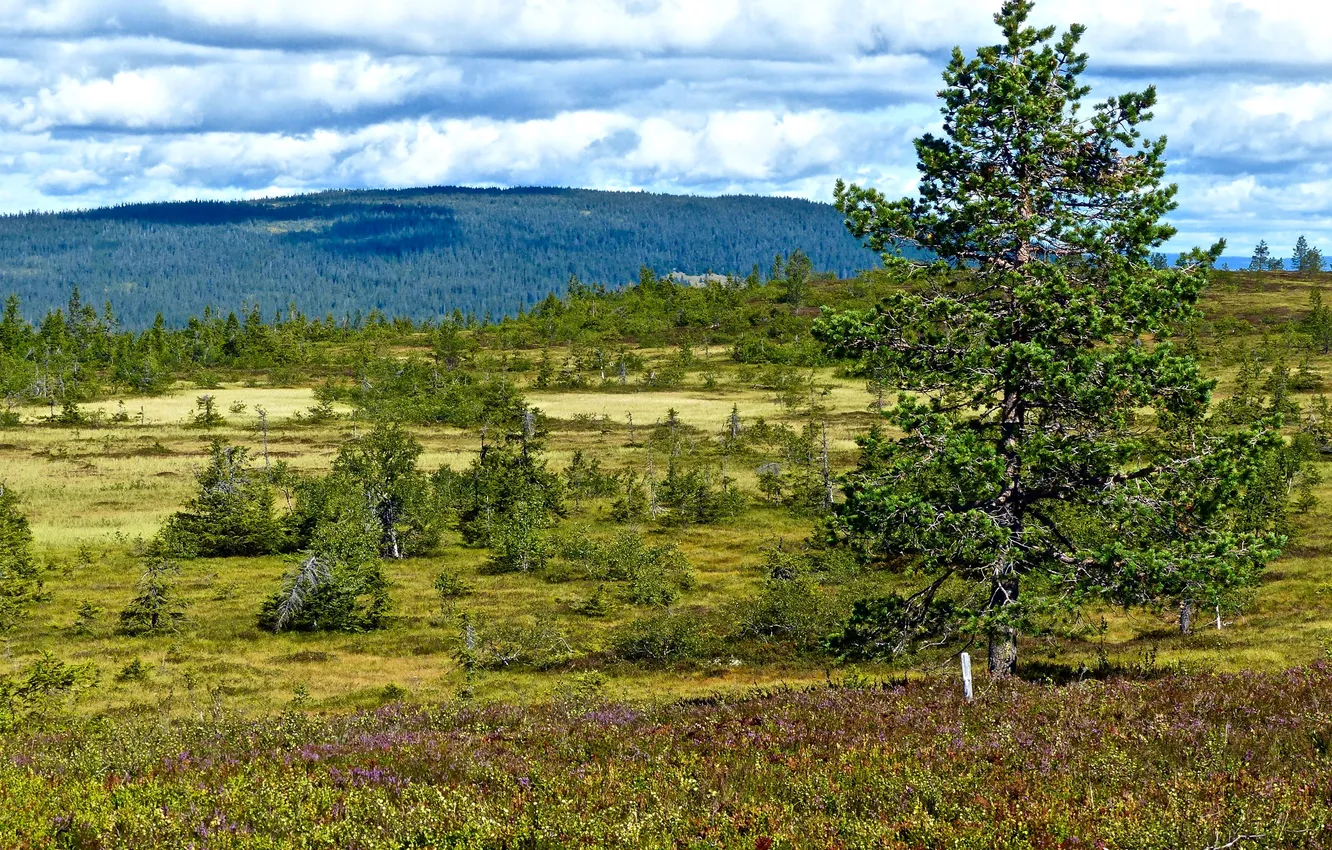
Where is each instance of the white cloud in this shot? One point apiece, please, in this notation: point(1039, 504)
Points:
point(111, 100)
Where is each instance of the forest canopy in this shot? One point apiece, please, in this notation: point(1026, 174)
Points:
point(421, 253)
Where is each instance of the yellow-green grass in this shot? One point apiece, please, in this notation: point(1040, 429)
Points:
point(90, 491)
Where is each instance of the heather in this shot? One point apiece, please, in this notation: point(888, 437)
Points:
point(1174, 761)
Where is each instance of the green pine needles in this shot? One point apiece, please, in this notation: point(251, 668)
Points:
point(18, 569)
point(1053, 445)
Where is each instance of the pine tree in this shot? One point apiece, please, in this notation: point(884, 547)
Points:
point(338, 584)
point(232, 512)
point(1261, 260)
point(1318, 324)
point(1023, 482)
point(1297, 258)
point(155, 609)
point(1312, 261)
point(18, 568)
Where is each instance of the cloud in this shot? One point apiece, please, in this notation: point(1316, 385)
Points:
point(104, 101)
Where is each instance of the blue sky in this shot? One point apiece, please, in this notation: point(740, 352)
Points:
point(106, 101)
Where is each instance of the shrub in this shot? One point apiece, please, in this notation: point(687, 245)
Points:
point(692, 497)
point(528, 643)
point(520, 541)
point(652, 575)
point(599, 604)
point(39, 687)
point(668, 637)
point(795, 611)
point(450, 585)
point(502, 477)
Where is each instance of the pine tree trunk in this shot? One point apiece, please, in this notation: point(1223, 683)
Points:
point(1186, 617)
point(1003, 652)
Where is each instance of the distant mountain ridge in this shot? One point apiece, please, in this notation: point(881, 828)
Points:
point(410, 252)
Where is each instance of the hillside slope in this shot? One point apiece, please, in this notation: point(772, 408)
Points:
point(417, 252)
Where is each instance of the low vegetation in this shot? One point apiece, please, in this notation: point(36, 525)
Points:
point(495, 553)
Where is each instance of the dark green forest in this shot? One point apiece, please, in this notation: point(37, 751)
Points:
point(421, 253)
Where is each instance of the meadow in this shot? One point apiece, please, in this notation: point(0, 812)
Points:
point(222, 734)
point(92, 491)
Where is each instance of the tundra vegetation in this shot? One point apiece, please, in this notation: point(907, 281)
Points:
point(690, 565)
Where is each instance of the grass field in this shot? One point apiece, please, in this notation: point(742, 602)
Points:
point(91, 492)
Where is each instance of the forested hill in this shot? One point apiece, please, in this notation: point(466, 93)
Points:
point(415, 252)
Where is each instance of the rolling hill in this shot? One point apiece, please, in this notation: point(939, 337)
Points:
point(415, 252)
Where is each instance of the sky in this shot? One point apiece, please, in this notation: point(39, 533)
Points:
point(112, 101)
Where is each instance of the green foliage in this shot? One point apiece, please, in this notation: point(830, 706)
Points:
point(519, 540)
point(1318, 323)
point(85, 616)
point(693, 496)
point(450, 585)
point(502, 477)
point(599, 604)
point(1306, 258)
point(669, 637)
point(381, 465)
point(207, 415)
point(651, 575)
point(40, 688)
point(135, 671)
point(18, 567)
point(417, 391)
point(232, 512)
point(532, 643)
point(1030, 346)
point(156, 608)
point(1261, 260)
point(585, 479)
point(338, 584)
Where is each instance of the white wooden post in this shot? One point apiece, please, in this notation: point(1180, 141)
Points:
point(966, 676)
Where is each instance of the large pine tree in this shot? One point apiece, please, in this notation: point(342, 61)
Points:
point(1053, 446)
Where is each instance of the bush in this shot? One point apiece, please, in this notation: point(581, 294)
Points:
point(599, 604)
point(794, 611)
point(652, 575)
point(692, 497)
point(450, 585)
point(669, 637)
point(520, 541)
point(39, 687)
point(529, 643)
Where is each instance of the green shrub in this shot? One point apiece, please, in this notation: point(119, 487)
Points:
point(667, 637)
point(40, 687)
point(531, 642)
point(450, 585)
point(599, 604)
